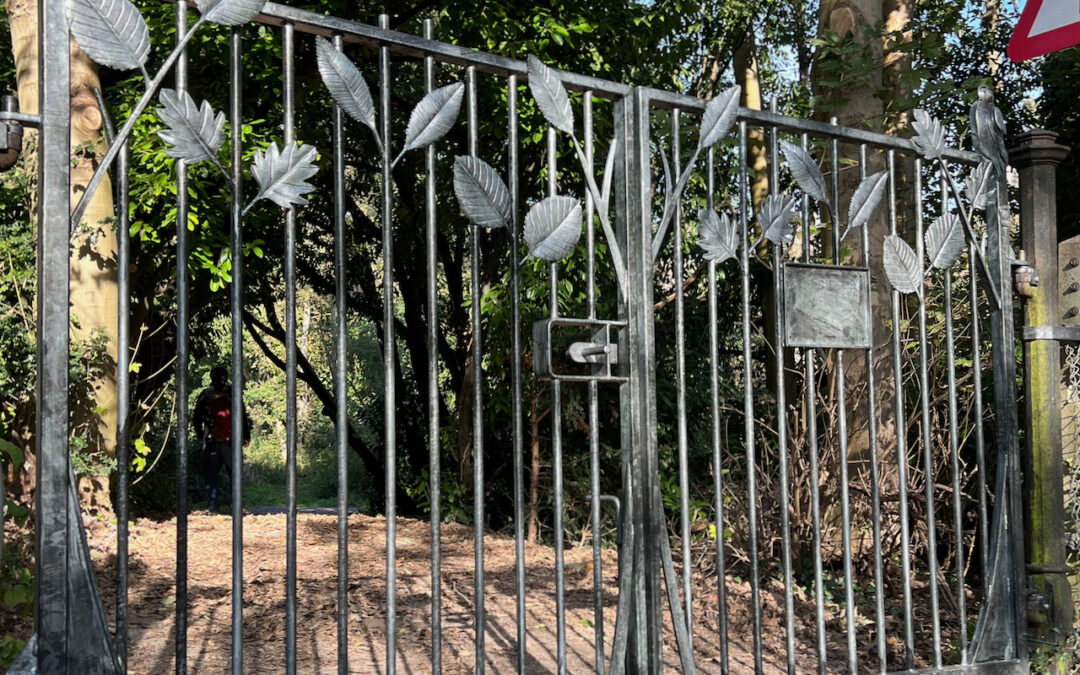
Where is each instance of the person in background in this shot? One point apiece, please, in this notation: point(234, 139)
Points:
point(213, 425)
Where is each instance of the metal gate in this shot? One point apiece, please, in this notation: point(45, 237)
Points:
point(836, 456)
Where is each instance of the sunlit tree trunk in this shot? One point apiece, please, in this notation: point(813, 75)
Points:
point(93, 256)
point(856, 103)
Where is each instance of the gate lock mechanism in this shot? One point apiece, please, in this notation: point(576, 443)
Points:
point(11, 134)
point(577, 350)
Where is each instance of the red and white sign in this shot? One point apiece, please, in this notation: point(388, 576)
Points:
point(1045, 26)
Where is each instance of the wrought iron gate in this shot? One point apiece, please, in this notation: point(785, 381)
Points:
point(808, 319)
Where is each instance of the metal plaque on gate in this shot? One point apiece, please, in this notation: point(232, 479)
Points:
point(826, 306)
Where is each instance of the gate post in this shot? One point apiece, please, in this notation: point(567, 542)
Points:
point(1037, 156)
point(52, 492)
point(639, 395)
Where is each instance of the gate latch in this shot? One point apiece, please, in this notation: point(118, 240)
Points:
point(577, 350)
point(11, 134)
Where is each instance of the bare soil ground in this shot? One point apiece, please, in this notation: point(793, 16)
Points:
point(152, 599)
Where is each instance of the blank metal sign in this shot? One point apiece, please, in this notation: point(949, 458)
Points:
point(826, 307)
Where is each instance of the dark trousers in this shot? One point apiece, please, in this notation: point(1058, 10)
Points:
point(215, 455)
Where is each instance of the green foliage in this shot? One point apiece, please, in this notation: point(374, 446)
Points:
point(1057, 659)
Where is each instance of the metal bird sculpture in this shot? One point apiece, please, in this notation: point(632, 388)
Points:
point(988, 130)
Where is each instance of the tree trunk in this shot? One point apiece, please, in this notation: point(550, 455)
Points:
point(93, 259)
point(745, 65)
point(535, 416)
point(856, 103)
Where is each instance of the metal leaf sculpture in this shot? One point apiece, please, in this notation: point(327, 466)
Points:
point(346, 85)
point(481, 192)
point(719, 115)
point(719, 236)
point(901, 265)
point(775, 217)
point(282, 175)
point(929, 138)
point(112, 32)
point(553, 227)
point(945, 241)
point(229, 12)
point(806, 173)
point(980, 184)
point(866, 200)
point(193, 133)
point(550, 95)
point(433, 116)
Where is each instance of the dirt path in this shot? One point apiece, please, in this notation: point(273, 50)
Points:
point(152, 600)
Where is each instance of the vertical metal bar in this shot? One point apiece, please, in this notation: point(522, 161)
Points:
point(954, 458)
point(123, 395)
point(680, 388)
point(717, 441)
point(288, 83)
point(54, 168)
point(781, 409)
point(236, 306)
point(980, 440)
point(182, 356)
point(748, 403)
point(556, 435)
point(901, 418)
point(842, 441)
point(389, 354)
point(810, 356)
point(594, 403)
point(434, 438)
point(341, 360)
point(477, 394)
point(927, 441)
point(515, 369)
point(875, 469)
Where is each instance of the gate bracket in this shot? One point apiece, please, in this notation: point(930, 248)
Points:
point(1058, 333)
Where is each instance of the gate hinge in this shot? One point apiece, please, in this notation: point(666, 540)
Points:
point(577, 350)
point(1025, 277)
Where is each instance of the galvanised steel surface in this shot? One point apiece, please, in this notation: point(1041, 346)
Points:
point(807, 316)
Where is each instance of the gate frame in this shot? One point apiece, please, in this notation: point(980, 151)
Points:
point(59, 642)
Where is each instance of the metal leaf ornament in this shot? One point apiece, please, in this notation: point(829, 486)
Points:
point(553, 227)
point(481, 192)
point(719, 236)
point(866, 200)
point(945, 241)
point(433, 116)
point(550, 95)
point(112, 32)
point(719, 115)
point(282, 174)
point(980, 185)
point(806, 173)
point(775, 217)
point(193, 132)
point(346, 85)
point(229, 12)
point(929, 138)
point(901, 265)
